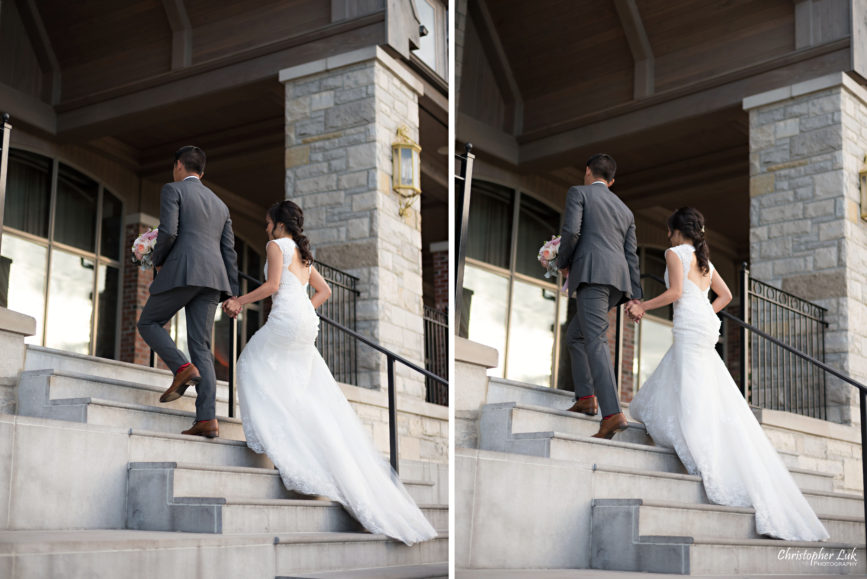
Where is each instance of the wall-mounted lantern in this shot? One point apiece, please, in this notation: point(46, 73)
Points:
point(406, 159)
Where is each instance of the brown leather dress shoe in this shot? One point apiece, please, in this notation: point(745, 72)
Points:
point(183, 379)
point(586, 405)
point(611, 426)
point(206, 428)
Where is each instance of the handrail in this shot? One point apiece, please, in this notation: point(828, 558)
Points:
point(391, 358)
point(862, 389)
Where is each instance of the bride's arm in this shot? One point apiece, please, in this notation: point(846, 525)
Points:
point(722, 291)
point(675, 282)
point(270, 287)
point(323, 292)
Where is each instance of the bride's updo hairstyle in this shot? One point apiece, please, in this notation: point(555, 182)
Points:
point(292, 218)
point(690, 223)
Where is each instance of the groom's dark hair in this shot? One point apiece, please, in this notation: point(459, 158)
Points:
point(602, 165)
point(192, 158)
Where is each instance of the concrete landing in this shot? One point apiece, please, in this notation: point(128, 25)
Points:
point(597, 574)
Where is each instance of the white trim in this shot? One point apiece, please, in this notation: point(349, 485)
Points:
point(439, 246)
point(348, 59)
point(832, 80)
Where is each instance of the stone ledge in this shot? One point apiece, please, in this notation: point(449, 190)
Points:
point(405, 405)
point(832, 80)
point(17, 323)
point(807, 425)
point(475, 353)
point(348, 59)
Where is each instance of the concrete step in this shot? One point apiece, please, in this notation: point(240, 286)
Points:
point(429, 571)
point(618, 543)
point(300, 553)
point(40, 358)
point(613, 481)
point(684, 519)
point(37, 388)
point(125, 553)
point(502, 390)
point(239, 483)
point(585, 450)
point(111, 413)
point(154, 446)
point(514, 418)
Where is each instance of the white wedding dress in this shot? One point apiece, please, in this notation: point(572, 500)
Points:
point(691, 404)
point(293, 410)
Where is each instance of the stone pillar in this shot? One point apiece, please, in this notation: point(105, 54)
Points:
point(342, 115)
point(440, 253)
point(807, 142)
point(136, 290)
point(14, 328)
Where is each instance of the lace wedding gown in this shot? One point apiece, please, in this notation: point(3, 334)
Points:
point(293, 410)
point(691, 404)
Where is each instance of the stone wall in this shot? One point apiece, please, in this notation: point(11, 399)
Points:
point(14, 328)
point(342, 115)
point(806, 235)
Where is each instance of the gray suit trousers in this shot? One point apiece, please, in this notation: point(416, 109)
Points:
point(201, 305)
point(587, 337)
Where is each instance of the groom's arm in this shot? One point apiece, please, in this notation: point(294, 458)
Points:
point(170, 205)
point(630, 247)
point(571, 226)
point(230, 258)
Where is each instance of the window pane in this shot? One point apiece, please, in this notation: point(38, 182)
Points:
point(27, 280)
point(654, 264)
point(427, 44)
point(536, 224)
point(254, 265)
point(179, 331)
point(655, 338)
point(75, 217)
point(531, 334)
point(28, 192)
point(70, 303)
point(489, 235)
point(112, 226)
point(222, 325)
point(106, 324)
point(487, 298)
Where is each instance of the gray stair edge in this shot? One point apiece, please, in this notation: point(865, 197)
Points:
point(251, 470)
point(116, 381)
point(135, 407)
point(558, 412)
point(553, 434)
point(420, 571)
point(713, 507)
point(342, 537)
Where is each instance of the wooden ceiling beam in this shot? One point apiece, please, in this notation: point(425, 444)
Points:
point(699, 99)
point(639, 44)
point(41, 43)
point(500, 65)
point(182, 33)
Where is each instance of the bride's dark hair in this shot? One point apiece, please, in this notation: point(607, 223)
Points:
point(292, 218)
point(690, 222)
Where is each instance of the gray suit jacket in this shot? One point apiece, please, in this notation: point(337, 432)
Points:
point(597, 243)
point(195, 245)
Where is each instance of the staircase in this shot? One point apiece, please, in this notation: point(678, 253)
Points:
point(125, 492)
point(621, 504)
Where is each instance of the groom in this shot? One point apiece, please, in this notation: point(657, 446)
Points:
point(598, 254)
point(197, 268)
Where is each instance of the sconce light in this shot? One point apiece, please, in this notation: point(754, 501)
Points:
point(862, 177)
point(406, 159)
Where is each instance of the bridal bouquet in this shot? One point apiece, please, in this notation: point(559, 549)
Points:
point(142, 249)
point(548, 258)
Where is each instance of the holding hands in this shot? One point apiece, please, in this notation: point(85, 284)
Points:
point(232, 307)
point(635, 310)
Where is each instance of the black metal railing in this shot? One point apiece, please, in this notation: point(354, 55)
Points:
point(337, 348)
point(391, 358)
point(436, 354)
point(463, 187)
point(750, 331)
point(772, 377)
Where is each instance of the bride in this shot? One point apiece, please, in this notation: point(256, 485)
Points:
point(690, 402)
point(292, 408)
